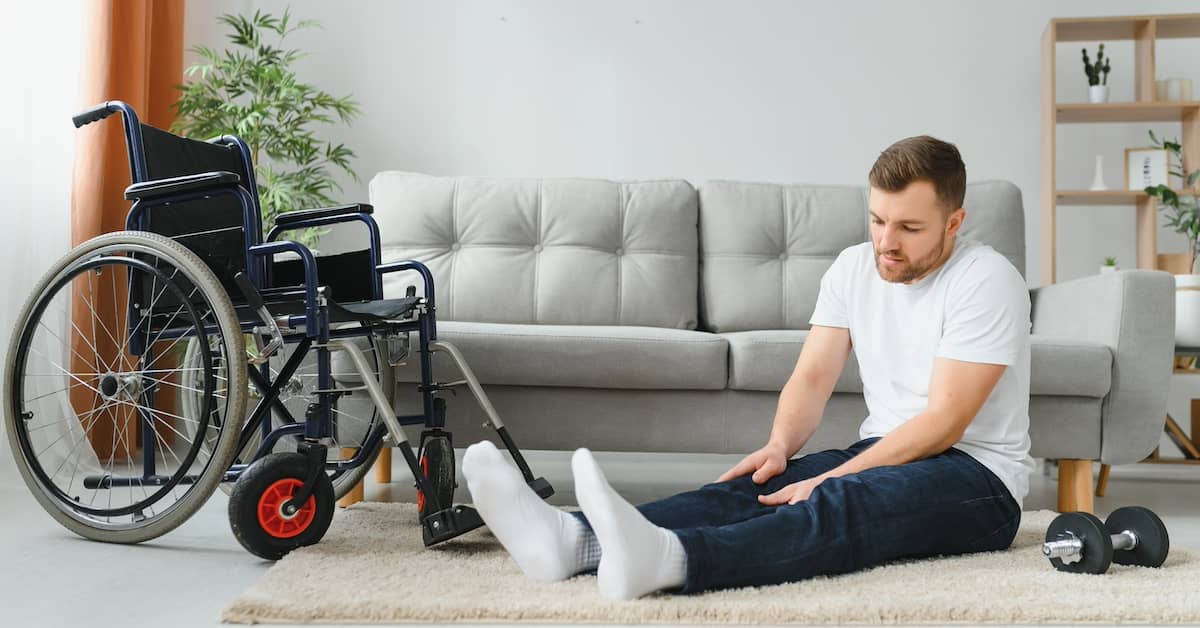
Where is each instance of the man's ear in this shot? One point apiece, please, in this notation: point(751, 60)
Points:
point(955, 221)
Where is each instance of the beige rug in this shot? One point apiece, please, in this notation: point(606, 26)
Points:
point(372, 568)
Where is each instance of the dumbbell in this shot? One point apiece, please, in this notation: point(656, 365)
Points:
point(1078, 542)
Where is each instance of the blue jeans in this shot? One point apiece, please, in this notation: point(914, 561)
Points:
point(947, 504)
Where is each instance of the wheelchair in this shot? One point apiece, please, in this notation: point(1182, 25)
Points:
point(152, 365)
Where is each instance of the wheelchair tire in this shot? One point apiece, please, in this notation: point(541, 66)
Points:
point(437, 465)
point(120, 391)
point(256, 506)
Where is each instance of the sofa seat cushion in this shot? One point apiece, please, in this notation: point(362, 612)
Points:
point(763, 360)
point(587, 356)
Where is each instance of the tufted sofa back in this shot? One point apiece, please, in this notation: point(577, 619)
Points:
point(551, 251)
point(764, 247)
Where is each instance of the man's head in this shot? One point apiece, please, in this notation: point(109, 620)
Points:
point(917, 190)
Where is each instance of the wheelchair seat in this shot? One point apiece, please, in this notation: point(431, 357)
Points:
point(290, 302)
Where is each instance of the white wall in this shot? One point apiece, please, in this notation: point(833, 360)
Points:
point(41, 80)
point(773, 91)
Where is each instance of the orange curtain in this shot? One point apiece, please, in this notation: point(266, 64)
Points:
point(133, 51)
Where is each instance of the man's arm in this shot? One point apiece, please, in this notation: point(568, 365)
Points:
point(957, 390)
point(801, 403)
point(803, 398)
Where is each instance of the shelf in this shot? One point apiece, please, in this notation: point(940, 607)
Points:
point(1118, 28)
point(1105, 197)
point(1124, 111)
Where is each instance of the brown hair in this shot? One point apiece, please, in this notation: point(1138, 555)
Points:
point(922, 157)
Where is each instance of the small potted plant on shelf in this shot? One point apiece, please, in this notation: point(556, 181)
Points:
point(1110, 265)
point(1097, 75)
point(1183, 215)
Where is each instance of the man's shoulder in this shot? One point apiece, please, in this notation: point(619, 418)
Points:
point(986, 272)
point(981, 261)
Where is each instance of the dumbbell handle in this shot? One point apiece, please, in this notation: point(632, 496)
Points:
point(1070, 546)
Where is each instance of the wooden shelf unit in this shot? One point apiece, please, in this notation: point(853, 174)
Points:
point(1143, 30)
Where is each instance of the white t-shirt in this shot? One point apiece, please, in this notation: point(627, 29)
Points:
point(974, 308)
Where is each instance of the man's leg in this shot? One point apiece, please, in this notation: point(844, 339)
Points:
point(549, 544)
point(723, 503)
point(640, 557)
point(948, 504)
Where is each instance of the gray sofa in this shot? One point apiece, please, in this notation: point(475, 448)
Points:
point(655, 316)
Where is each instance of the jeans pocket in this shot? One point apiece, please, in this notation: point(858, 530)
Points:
point(999, 538)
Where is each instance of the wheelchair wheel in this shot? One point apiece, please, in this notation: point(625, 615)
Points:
point(437, 465)
point(90, 378)
point(256, 506)
point(353, 417)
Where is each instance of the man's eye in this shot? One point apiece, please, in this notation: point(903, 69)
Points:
point(910, 229)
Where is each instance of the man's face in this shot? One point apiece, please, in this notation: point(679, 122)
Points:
point(910, 230)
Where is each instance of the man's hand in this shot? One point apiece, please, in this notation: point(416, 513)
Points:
point(765, 463)
point(792, 493)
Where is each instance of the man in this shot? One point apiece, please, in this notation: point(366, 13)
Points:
point(940, 328)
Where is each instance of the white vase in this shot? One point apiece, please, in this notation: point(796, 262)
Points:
point(1187, 310)
point(1108, 269)
point(1098, 179)
point(1097, 93)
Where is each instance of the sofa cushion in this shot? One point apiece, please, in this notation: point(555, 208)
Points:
point(581, 356)
point(1067, 367)
point(764, 247)
point(556, 251)
point(763, 360)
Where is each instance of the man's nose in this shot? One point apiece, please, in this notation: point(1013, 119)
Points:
point(887, 239)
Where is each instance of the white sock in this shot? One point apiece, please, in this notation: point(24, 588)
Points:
point(638, 557)
point(548, 544)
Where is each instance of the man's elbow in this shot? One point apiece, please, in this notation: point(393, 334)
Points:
point(954, 429)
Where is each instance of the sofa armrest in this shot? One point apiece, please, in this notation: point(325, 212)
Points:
point(1133, 313)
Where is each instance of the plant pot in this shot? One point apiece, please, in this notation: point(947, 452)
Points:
point(1187, 310)
point(1108, 269)
point(1097, 93)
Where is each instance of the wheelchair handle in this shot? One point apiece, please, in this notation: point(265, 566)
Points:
point(99, 112)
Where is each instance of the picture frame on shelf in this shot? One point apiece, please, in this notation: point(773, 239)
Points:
point(1145, 167)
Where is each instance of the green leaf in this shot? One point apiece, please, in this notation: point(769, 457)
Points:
point(250, 89)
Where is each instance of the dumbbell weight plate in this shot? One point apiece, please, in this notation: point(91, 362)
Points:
point(1097, 545)
point(1153, 542)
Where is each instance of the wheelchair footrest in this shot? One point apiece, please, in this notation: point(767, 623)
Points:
point(542, 487)
point(449, 523)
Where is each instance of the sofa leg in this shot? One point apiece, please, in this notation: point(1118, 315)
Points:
point(383, 466)
point(356, 494)
point(1102, 481)
point(1075, 486)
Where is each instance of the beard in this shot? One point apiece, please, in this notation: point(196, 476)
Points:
point(909, 270)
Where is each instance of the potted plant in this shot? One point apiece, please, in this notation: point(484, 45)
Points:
point(250, 91)
point(1181, 210)
point(1097, 84)
point(1110, 265)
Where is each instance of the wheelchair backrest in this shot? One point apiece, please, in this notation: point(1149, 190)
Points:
point(211, 227)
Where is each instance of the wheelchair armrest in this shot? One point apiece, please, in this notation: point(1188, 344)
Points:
point(179, 185)
point(288, 218)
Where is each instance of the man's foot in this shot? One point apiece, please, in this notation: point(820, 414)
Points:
point(638, 557)
point(548, 544)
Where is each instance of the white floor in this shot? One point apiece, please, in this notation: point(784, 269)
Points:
point(49, 577)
